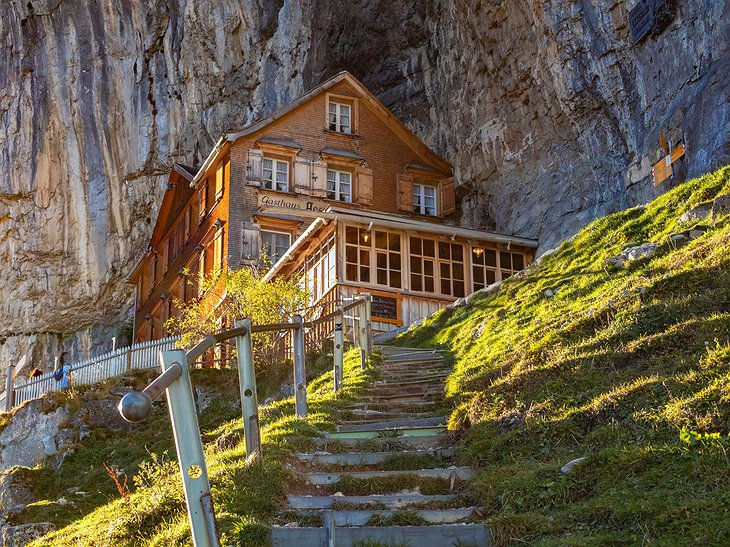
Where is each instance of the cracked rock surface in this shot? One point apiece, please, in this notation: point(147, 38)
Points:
point(547, 111)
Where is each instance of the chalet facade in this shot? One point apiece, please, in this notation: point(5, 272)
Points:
point(331, 186)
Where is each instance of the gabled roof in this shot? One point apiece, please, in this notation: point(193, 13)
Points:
point(364, 94)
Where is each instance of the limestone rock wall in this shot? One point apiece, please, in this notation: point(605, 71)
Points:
point(547, 111)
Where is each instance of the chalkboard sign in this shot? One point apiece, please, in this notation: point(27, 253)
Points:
point(385, 307)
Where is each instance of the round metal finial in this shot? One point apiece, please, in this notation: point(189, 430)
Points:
point(135, 406)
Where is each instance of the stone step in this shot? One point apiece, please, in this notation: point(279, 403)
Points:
point(460, 473)
point(428, 441)
point(389, 406)
point(388, 350)
point(374, 433)
point(436, 535)
point(362, 517)
point(415, 381)
point(406, 398)
point(368, 458)
point(433, 421)
point(367, 414)
point(388, 500)
point(399, 390)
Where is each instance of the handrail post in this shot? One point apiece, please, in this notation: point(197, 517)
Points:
point(339, 349)
point(368, 324)
point(190, 451)
point(300, 371)
point(9, 390)
point(362, 334)
point(249, 397)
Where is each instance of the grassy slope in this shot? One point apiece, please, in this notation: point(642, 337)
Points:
point(246, 497)
point(611, 368)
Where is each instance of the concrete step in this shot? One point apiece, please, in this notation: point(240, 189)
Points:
point(460, 473)
point(368, 458)
point(362, 517)
point(442, 535)
point(374, 433)
point(376, 415)
point(389, 406)
point(433, 421)
point(389, 500)
point(415, 381)
point(405, 398)
point(428, 441)
point(399, 390)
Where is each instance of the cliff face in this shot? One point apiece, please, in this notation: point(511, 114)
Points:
point(548, 113)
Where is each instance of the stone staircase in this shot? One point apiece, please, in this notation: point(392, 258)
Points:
point(386, 475)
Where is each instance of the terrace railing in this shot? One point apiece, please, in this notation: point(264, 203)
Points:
point(96, 369)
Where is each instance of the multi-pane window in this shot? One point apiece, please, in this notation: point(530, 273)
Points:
point(424, 199)
point(357, 254)
point(388, 259)
point(275, 244)
point(340, 117)
point(451, 268)
point(320, 270)
point(423, 260)
point(339, 185)
point(483, 267)
point(510, 263)
point(275, 175)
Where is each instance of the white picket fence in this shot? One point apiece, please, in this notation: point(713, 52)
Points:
point(97, 369)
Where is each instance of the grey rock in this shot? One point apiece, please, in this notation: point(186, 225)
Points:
point(84, 432)
point(101, 413)
point(696, 214)
point(30, 436)
point(23, 534)
point(721, 205)
point(694, 234)
point(65, 437)
point(679, 240)
point(14, 491)
point(204, 398)
point(568, 467)
point(287, 390)
point(549, 293)
point(639, 252)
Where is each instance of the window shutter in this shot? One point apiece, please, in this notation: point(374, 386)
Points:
point(201, 270)
point(405, 193)
point(202, 200)
point(219, 182)
point(365, 186)
point(251, 241)
point(255, 158)
point(448, 196)
point(218, 251)
point(319, 179)
point(302, 176)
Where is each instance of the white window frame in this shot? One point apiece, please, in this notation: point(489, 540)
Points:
point(337, 194)
point(419, 199)
point(336, 111)
point(274, 169)
point(268, 245)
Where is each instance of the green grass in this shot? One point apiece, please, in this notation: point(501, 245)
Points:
point(246, 496)
point(611, 368)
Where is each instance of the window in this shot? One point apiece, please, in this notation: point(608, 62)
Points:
point(423, 259)
point(388, 259)
point(357, 254)
point(276, 175)
point(483, 266)
point(339, 185)
point(510, 263)
point(340, 118)
point(424, 199)
point(275, 244)
point(451, 268)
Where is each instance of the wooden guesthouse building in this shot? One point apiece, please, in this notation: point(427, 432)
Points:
point(331, 186)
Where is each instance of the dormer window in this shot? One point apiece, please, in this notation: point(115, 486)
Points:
point(339, 185)
point(340, 117)
point(275, 175)
point(424, 199)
